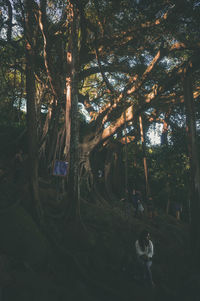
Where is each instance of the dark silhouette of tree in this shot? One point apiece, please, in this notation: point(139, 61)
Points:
point(120, 61)
point(194, 161)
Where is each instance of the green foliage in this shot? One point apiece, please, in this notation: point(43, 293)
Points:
point(168, 169)
point(168, 166)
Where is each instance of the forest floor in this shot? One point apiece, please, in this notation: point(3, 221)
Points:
point(95, 260)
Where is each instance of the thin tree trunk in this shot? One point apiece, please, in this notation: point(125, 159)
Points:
point(194, 165)
point(168, 194)
point(144, 158)
point(164, 142)
point(54, 132)
point(70, 62)
point(21, 95)
point(126, 157)
point(68, 116)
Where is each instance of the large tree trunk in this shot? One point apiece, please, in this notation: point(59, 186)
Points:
point(49, 145)
point(85, 171)
point(107, 159)
point(74, 183)
point(194, 166)
point(31, 108)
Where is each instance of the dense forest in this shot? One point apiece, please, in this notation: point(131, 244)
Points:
point(86, 86)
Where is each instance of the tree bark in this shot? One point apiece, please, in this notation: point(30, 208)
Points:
point(125, 158)
point(144, 158)
point(74, 183)
point(164, 142)
point(68, 81)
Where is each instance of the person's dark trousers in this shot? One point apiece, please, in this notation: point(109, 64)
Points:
point(146, 270)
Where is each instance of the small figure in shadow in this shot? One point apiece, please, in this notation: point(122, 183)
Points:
point(145, 251)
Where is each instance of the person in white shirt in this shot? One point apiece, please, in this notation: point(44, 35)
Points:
point(140, 208)
point(145, 251)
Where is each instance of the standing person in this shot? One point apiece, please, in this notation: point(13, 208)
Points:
point(140, 208)
point(177, 210)
point(145, 250)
